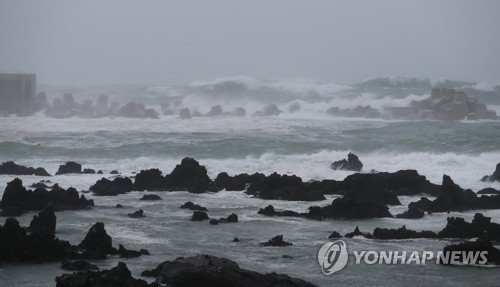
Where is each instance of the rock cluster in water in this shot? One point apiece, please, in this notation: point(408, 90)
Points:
point(17, 200)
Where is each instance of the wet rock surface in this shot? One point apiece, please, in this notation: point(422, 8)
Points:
point(16, 197)
point(9, 167)
point(207, 270)
point(351, 163)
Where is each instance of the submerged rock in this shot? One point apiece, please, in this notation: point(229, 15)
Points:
point(9, 167)
point(125, 253)
point(352, 163)
point(150, 197)
point(191, 206)
point(211, 271)
point(232, 218)
point(137, 214)
point(270, 211)
point(334, 234)
point(276, 241)
point(199, 216)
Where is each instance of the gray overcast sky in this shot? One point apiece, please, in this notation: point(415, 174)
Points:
point(168, 42)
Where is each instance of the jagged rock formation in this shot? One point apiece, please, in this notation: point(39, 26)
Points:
point(10, 167)
point(17, 198)
point(352, 163)
point(495, 176)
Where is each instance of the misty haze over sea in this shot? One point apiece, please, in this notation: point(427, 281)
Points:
point(260, 119)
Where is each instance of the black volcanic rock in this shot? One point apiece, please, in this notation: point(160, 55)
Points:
point(481, 225)
point(414, 212)
point(40, 246)
point(9, 167)
point(106, 187)
point(270, 211)
point(17, 246)
point(401, 233)
point(495, 176)
point(191, 206)
point(211, 271)
point(78, 265)
point(351, 163)
point(40, 184)
point(451, 197)
point(334, 234)
point(88, 171)
point(481, 244)
point(97, 243)
point(199, 216)
point(489, 190)
point(150, 197)
point(69, 167)
point(284, 187)
point(382, 197)
point(356, 232)
point(276, 241)
point(402, 182)
point(236, 183)
point(150, 179)
point(44, 223)
point(190, 176)
point(348, 208)
point(16, 197)
point(137, 214)
point(232, 218)
point(125, 253)
point(118, 276)
point(341, 208)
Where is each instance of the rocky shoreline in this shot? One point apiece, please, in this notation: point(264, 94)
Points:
point(360, 196)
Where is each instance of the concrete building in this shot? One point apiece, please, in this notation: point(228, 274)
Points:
point(17, 93)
